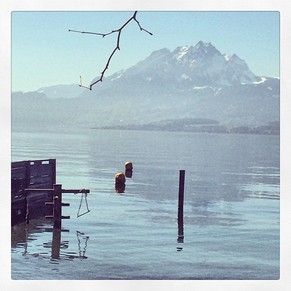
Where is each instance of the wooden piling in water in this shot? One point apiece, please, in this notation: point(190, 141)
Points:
point(57, 205)
point(181, 191)
point(181, 206)
point(57, 212)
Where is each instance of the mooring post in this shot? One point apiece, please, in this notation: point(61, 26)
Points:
point(57, 199)
point(181, 207)
point(181, 191)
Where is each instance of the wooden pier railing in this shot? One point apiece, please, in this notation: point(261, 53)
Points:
point(57, 203)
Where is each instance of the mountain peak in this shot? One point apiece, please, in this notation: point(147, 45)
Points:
point(206, 47)
point(202, 44)
point(199, 56)
point(190, 66)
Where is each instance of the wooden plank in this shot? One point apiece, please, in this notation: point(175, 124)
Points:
point(18, 173)
point(19, 177)
point(42, 181)
point(37, 167)
point(39, 190)
point(20, 164)
point(18, 184)
point(65, 204)
point(76, 191)
point(38, 198)
point(45, 187)
point(38, 170)
point(54, 168)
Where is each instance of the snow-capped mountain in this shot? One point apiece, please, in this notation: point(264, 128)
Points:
point(196, 66)
point(189, 82)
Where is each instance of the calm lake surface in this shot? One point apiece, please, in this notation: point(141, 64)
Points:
point(231, 208)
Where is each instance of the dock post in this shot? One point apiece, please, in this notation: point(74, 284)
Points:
point(57, 200)
point(181, 207)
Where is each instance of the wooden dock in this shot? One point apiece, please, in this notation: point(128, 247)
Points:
point(36, 174)
point(34, 192)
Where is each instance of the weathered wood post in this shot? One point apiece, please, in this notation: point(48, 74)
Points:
point(181, 207)
point(27, 184)
point(57, 200)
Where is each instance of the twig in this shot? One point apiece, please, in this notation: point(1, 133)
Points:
point(118, 31)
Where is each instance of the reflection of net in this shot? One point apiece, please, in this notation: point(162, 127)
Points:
point(82, 237)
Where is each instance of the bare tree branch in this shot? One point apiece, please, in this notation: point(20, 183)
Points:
point(118, 31)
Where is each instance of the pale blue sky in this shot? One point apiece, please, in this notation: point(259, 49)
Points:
point(44, 53)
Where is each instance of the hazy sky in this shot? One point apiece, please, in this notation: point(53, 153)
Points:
point(44, 53)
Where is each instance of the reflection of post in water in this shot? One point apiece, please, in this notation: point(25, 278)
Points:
point(128, 169)
point(119, 188)
point(180, 230)
point(56, 244)
point(181, 209)
point(128, 173)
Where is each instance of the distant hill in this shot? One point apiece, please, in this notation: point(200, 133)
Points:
point(61, 91)
point(189, 83)
point(199, 125)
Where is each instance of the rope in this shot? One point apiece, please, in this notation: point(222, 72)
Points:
point(81, 202)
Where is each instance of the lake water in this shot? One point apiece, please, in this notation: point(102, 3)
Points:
point(231, 208)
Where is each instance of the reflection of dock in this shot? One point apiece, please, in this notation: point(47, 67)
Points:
point(57, 245)
point(23, 237)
